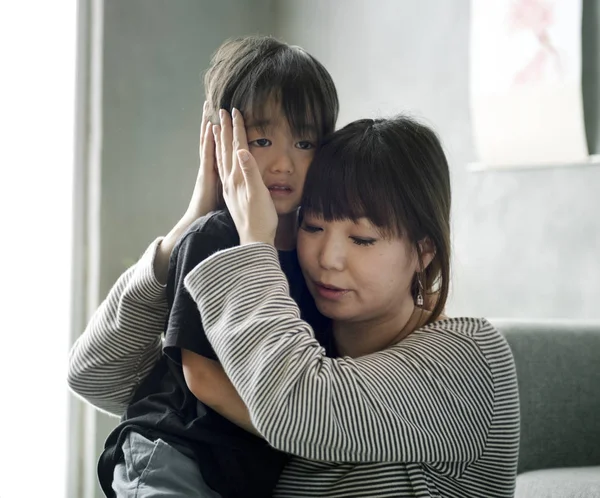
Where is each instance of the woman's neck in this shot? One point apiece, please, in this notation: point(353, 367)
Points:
point(356, 339)
point(287, 230)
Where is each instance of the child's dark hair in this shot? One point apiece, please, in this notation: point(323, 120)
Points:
point(395, 173)
point(246, 72)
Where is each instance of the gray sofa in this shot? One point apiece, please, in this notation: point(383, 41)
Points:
point(558, 368)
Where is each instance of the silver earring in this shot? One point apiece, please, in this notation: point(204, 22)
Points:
point(420, 300)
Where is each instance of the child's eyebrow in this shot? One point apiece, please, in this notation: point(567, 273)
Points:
point(262, 125)
point(307, 129)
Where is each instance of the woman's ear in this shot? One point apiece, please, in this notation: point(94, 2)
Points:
point(427, 252)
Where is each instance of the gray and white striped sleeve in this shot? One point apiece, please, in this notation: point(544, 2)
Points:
point(122, 341)
point(418, 401)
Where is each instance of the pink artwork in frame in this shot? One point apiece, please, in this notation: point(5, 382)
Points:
point(525, 82)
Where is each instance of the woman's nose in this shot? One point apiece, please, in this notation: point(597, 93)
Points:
point(332, 255)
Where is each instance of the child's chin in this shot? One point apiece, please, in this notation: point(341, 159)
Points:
point(283, 209)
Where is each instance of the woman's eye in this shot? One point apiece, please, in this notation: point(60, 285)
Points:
point(305, 145)
point(309, 228)
point(363, 242)
point(260, 142)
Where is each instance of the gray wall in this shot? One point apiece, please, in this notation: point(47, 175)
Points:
point(526, 243)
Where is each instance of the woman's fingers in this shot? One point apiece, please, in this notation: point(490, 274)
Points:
point(239, 130)
point(250, 175)
point(216, 129)
point(226, 143)
point(246, 196)
point(240, 142)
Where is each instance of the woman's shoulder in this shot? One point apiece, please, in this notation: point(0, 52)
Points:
point(464, 326)
point(465, 334)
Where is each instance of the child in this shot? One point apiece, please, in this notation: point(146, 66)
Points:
point(168, 441)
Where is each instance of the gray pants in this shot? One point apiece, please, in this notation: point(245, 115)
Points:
point(153, 469)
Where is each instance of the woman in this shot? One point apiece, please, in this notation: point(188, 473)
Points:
point(415, 405)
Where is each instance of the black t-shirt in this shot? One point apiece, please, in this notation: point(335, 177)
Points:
point(232, 461)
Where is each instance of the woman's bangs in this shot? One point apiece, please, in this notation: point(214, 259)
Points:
point(343, 184)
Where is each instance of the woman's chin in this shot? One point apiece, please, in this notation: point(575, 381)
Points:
point(334, 311)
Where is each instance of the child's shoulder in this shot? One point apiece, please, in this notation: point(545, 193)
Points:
point(216, 229)
point(218, 223)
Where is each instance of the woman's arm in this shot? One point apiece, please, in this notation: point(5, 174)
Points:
point(425, 400)
point(122, 341)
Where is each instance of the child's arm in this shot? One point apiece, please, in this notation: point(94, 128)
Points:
point(122, 341)
point(184, 329)
point(209, 383)
point(185, 340)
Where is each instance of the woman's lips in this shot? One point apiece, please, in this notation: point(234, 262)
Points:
point(330, 292)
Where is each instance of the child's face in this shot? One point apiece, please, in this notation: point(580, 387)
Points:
point(283, 158)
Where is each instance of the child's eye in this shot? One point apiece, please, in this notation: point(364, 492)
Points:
point(309, 228)
point(261, 142)
point(305, 145)
point(363, 242)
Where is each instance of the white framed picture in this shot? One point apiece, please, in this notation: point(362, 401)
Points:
point(525, 82)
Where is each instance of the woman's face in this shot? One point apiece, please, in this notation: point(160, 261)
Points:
point(353, 273)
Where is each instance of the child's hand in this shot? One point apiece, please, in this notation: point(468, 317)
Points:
point(245, 193)
point(206, 191)
point(204, 198)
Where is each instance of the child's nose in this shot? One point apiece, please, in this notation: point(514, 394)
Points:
point(283, 164)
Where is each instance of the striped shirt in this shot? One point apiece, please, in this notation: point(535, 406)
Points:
point(122, 341)
point(435, 415)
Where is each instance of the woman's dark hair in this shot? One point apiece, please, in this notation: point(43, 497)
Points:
point(395, 173)
point(246, 72)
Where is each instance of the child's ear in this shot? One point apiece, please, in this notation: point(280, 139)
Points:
point(427, 250)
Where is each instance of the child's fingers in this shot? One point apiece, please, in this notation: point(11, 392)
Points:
point(203, 127)
point(208, 146)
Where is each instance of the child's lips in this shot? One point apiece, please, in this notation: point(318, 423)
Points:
point(280, 189)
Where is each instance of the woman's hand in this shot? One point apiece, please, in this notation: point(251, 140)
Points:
point(204, 198)
point(246, 196)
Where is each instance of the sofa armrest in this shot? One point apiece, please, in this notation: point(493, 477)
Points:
point(558, 369)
